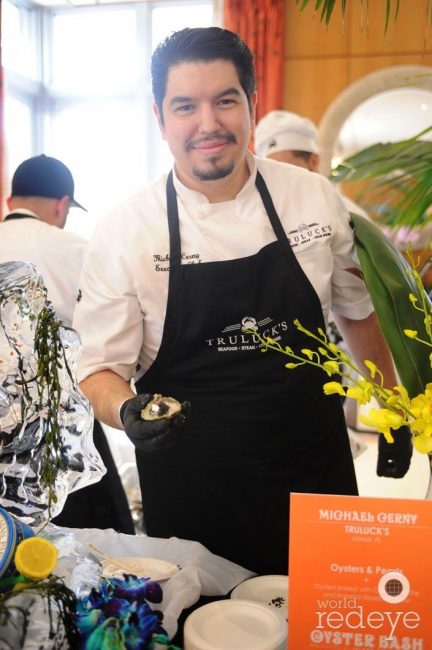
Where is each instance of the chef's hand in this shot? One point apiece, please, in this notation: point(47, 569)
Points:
point(150, 435)
point(394, 457)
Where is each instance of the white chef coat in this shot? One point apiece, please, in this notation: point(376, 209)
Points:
point(124, 282)
point(57, 254)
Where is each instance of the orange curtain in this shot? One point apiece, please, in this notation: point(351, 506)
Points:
point(260, 23)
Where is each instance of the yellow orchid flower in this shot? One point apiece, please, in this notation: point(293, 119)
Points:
point(331, 367)
point(402, 392)
point(421, 405)
point(393, 401)
point(372, 367)
point(423, 444)
point(362, 392)
point(422, 425)
point(399, 409)
point(333, 388)
point(383, 420)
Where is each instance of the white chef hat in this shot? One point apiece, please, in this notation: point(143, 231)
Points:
point(285, 131)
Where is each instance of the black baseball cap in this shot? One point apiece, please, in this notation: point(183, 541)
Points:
point(44, 176)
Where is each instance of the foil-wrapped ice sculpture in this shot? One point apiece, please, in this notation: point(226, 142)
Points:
point(46, 423)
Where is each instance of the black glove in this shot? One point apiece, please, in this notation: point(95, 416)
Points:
point(394, 457)
point(150, 435)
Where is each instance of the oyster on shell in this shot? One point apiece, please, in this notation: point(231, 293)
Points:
point(161, 408)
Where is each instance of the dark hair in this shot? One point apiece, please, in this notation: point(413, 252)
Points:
point(201, 44)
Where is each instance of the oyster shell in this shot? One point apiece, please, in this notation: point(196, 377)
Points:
point(161, 408)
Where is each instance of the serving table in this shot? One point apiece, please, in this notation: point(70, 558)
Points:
point(202, 577)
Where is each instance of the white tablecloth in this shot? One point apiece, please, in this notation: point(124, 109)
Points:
point(202, 574)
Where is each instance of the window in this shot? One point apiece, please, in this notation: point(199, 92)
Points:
point(78, 88)
point(84, 65)
point(18, 113)
point(19, 40)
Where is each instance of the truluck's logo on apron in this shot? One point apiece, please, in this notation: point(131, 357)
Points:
point(305, 233)
point(233, 338)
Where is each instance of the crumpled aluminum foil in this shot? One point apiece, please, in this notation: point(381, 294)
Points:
point(23, 296)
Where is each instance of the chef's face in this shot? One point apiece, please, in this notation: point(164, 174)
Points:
point(206, 119)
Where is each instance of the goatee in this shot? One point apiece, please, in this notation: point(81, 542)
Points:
point(214, 174)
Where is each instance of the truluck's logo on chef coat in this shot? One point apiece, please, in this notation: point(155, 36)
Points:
point(233, 338)
point(306, 232)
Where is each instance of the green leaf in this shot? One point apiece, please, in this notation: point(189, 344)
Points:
point(328, 6)
point(327, 11)
point(396, 180)
point(387, 15)
point(304, 4)
point(388, 11)
point(388, 277)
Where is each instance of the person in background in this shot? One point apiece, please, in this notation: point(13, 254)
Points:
point(224, 245)
point(33, 231)
point(292, 138)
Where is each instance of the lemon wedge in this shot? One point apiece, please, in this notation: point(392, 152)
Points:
point(35, 558)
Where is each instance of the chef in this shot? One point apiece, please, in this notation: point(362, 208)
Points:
point(292, 138)
point(171, 277)
point(42, 194)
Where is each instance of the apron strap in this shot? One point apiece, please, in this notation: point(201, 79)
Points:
point(173, 223)
point(272, 214)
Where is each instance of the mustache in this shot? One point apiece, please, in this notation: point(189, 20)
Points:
point(217, 137)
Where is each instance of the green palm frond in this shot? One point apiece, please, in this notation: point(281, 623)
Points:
point(327, 8)
point(396, 180)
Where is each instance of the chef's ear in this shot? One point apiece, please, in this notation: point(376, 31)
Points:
point(159, 116)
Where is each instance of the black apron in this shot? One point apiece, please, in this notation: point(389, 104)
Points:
point(103, 504)
point(257, 431)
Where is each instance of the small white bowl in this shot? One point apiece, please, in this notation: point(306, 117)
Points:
point(148, 567)
point(234, 625)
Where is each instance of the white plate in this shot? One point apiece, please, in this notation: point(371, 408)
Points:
point(234, 625)
point(268, 590)
point(142, 567)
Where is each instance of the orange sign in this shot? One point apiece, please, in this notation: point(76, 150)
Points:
point(359, 573)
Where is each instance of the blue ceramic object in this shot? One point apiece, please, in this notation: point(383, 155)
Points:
point(12, 532)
